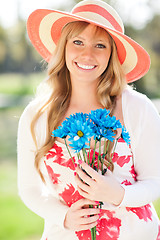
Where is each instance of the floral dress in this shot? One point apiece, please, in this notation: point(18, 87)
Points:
point(116, 223)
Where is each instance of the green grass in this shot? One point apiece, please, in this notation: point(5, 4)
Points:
point(17, 222)
point(20, 84)
point(157, 206)
point(8, 130)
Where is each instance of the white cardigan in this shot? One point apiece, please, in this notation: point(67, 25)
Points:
point(143, 123)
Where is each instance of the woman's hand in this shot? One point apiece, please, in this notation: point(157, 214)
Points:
point(98, 187)
point(80, 217)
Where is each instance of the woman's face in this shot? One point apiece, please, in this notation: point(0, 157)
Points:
point(87, 54)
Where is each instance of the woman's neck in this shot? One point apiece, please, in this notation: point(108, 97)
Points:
point(84, 97)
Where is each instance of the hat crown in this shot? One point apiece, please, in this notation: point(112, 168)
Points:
point(100, 13)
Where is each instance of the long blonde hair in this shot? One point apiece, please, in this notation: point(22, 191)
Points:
point(111, 84)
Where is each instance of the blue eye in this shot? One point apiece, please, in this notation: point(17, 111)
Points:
point(77, 42)
point(99, 45)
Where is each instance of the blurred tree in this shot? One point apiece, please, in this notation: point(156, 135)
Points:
point(151, 34)
point(149, 38)
point(18, 55)
point(3, 48)
point(21, 52)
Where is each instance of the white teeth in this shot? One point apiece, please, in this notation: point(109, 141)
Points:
point(85, 66)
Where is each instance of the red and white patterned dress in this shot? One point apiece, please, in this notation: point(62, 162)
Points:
point(116, 223)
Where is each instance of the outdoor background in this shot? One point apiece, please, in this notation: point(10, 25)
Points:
point(21, 70)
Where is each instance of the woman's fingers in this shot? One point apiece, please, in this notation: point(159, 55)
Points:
point(87, 180)
point(89, 212)
point(89, 219)
point(91, 172)
point(80, 216)
point(83, 203)
point(82, 184)
point(83, 193)
point(87, 226)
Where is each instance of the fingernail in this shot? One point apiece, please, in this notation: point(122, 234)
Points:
point(100, 210)
point(75, 165)
point(97, 202)
point(75, 173)
point(80, 161)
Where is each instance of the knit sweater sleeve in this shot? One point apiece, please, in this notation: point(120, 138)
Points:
point(30, 186)
point(143, 123)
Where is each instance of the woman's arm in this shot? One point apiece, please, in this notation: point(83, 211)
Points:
point(143, 123)
point(30, 186)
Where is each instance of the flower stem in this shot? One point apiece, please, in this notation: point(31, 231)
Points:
point(113, 151)
point(104, 147)
point(68, 150)
point(114, 147)
point(93, 233)
point(99, 154)
point(107, 147)
point(105, 153)
point(89, 149)
point(93, 230)
point(83, 151)
point(87, 156)
point(93, 157)
point(79, 155)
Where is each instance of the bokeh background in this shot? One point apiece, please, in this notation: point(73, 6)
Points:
point(22, 69)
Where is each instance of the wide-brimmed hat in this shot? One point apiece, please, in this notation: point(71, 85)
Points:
point(44, 29)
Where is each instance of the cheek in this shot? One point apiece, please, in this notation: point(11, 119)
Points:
point(105, 61)
point(69, 54)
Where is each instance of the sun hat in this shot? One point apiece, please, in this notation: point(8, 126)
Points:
point(44, 28)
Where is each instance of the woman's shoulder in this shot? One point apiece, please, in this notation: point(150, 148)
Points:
point(137, 106)
point(31, 109)
point(132, 95)
point(135, 100)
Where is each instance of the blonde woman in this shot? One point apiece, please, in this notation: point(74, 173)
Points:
point(90, 63)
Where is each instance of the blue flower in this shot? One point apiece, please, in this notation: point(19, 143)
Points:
point(125, 135)
point(78, 146)
point(104, 124)
point(62, 131)
point(102, 132)
point(80, 133)
point(80, 130)
point(99, 116)
point(109, 134)
point(112, 123)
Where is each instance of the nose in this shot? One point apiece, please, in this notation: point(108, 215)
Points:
point(87, 52)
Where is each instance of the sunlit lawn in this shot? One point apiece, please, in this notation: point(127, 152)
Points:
point(16, 221)
point(14, 83)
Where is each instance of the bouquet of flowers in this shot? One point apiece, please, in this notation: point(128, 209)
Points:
point(80, 128)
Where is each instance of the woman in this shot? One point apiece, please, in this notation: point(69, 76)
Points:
point(90, 63)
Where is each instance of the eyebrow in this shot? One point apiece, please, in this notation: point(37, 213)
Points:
point(96, 39)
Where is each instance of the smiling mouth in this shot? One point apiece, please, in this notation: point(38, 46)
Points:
point(85, 67)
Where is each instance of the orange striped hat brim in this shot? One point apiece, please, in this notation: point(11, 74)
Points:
point(44, 29)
